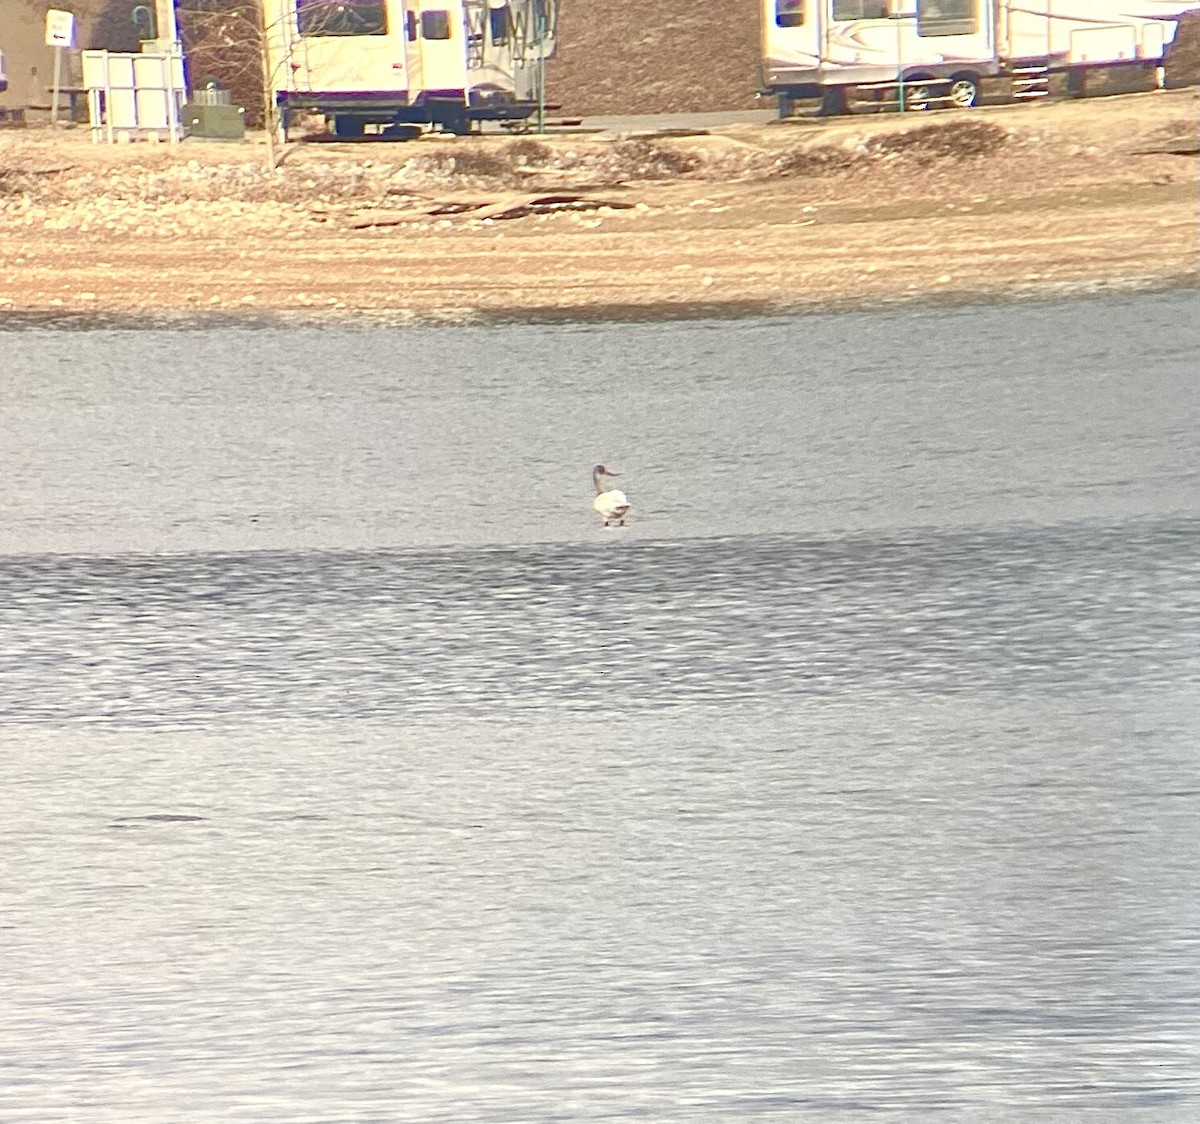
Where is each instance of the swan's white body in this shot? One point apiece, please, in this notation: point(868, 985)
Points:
point(610, 503)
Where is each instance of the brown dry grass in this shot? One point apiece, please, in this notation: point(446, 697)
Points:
point(1047, 199)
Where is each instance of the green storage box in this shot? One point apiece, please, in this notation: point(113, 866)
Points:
point(214, 122)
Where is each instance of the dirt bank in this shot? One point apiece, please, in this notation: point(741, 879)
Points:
point(1072, 196)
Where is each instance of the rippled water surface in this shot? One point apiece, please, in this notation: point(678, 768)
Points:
point(352, 772)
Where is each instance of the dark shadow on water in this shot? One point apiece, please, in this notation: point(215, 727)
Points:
point(483, 316)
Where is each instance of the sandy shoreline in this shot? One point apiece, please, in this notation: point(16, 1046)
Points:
point(1002, 203)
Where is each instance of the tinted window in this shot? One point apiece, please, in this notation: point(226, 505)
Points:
point(946, 17)
point(498, 24)
point(435, 24)
point(789, 13)
point(341, 17)
point(860, 9)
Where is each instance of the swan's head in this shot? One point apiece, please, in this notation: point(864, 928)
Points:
point(600, 470)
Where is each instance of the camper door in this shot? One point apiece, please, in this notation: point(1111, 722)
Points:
point(791, 40)
point(436, 45)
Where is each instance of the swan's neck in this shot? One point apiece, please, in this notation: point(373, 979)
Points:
point(598, 481)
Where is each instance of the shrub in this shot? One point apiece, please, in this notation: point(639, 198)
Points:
point(816, 161)
point(649, 160)
point(526, 151)
point(957, 140)
point(478, 162)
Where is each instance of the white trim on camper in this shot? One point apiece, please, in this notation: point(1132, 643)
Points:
point(815, 44)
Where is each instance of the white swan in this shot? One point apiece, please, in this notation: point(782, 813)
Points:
point(610, 503)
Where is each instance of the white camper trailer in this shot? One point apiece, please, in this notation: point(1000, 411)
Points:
point(919, 54)
point(446, 63)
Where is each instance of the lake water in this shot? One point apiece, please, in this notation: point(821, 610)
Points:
point(353, 772)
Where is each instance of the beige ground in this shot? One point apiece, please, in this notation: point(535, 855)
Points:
point(1059, 197)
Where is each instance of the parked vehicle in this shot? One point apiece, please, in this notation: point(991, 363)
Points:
point(918, 54)
point(409, 63)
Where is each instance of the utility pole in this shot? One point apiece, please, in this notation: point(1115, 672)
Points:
point(541, 70)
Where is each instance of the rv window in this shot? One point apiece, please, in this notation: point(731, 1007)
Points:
point(498, 23)
point(435, 24)
point(860, 9)
point(410, 25)
point(789, 13)
point(341, 17)
point(947, 17)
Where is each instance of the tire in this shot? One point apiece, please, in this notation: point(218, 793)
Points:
point(457, 123)
point(917, 94)
point(400, 131)
point(834, 102)
point(349, 128)
point(963, 92)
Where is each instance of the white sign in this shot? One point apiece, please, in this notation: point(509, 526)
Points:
point(60, 28)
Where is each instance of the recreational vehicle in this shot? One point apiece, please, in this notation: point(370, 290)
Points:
point(918, 54)
point(405, 64)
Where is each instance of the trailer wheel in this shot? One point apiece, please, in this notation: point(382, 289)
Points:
point(918, 95)
point(835, 102)
point(457, 123)
point(963, 92)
